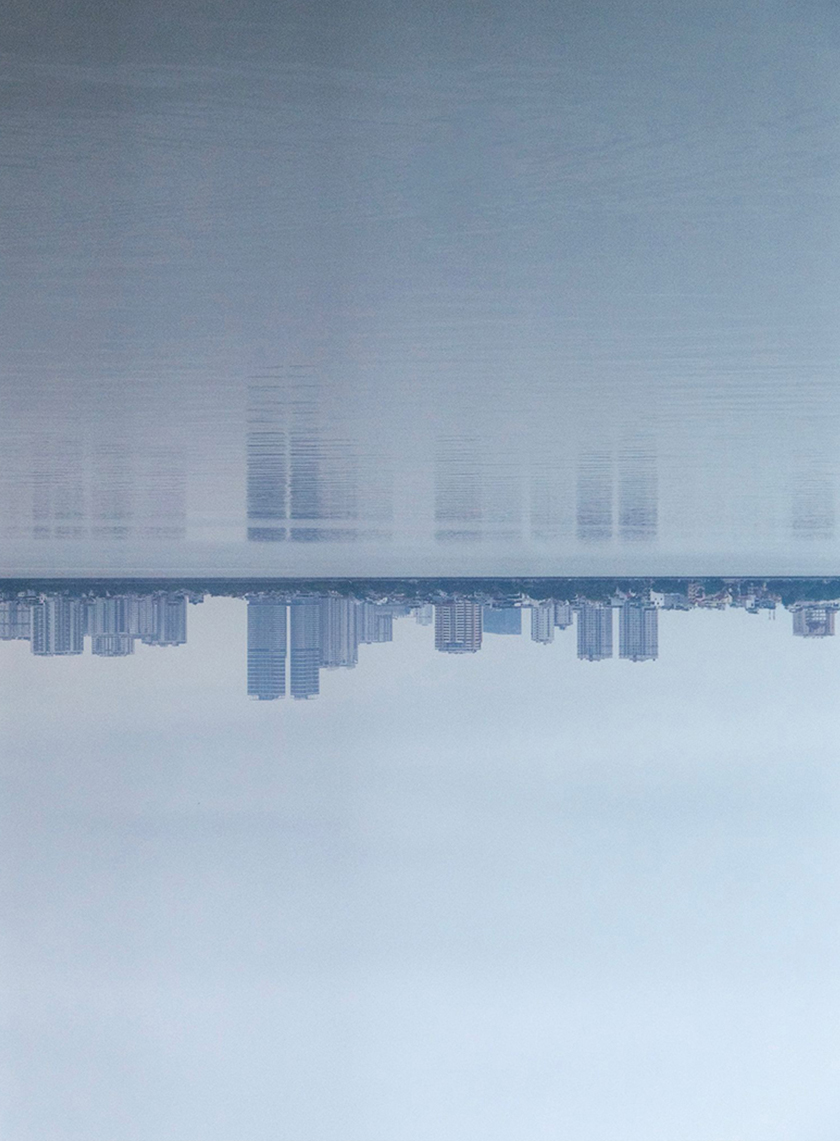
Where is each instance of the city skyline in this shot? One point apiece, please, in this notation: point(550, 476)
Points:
point(293, 636)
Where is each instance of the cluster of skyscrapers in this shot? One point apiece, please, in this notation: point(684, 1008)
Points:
point(315, 633)
point(325, 633)
point(58, 624)
point(638, 626)
point(292, 638)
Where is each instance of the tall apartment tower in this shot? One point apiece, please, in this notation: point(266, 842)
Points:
point(562, 615)
point(542, 622)
point(162, 619)
point(374, 623)
point(15, 620)
point(266, 648)
point(112, 645)
point(594, 632)
point(305, 638)
point(458, 627)
point(57, 626)
point(638, 632)
point(339, 634)
point(813, 622)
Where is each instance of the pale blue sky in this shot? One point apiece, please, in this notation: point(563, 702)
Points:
point(509, 894)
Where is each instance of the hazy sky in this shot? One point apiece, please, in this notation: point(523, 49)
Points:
point(509, 894)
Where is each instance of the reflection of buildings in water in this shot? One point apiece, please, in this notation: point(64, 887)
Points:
point(140, 494)
point(542, 622)
point(501, 619)
point(458, 495)
point(111, 499)
point(266, 648)
point(595, 497)
point(813, 621)
point(58, 490)
point(594, 632)
point(475, 500)
point(638, 632)
point(160, 495)
point(458, 627)
point(297, 478)
point(549, 502)
point(813, 506)
point(638, 493)
point(112, 488)
point(267, 459)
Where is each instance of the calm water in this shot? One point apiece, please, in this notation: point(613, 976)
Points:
point(320, 291)
point(505, 290)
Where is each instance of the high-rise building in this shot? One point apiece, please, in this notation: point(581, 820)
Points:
point(542, 622)
point(563, 615)
point(374, 623)
point(594, 632)
point(57, 626)
point(424, 615)
point(339, 637)
point(266, 648)
point(15, 620)
point(305, 638)
point(112, 645)
point(501, 619)
point(638, 632)
point(162, 619)
point(813, 622)
point(115, 615)
point(458, 627)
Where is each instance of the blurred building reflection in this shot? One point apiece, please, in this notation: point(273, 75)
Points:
point(595, 498)
point(813, 506)
point(301, 484)
point(638, 510)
